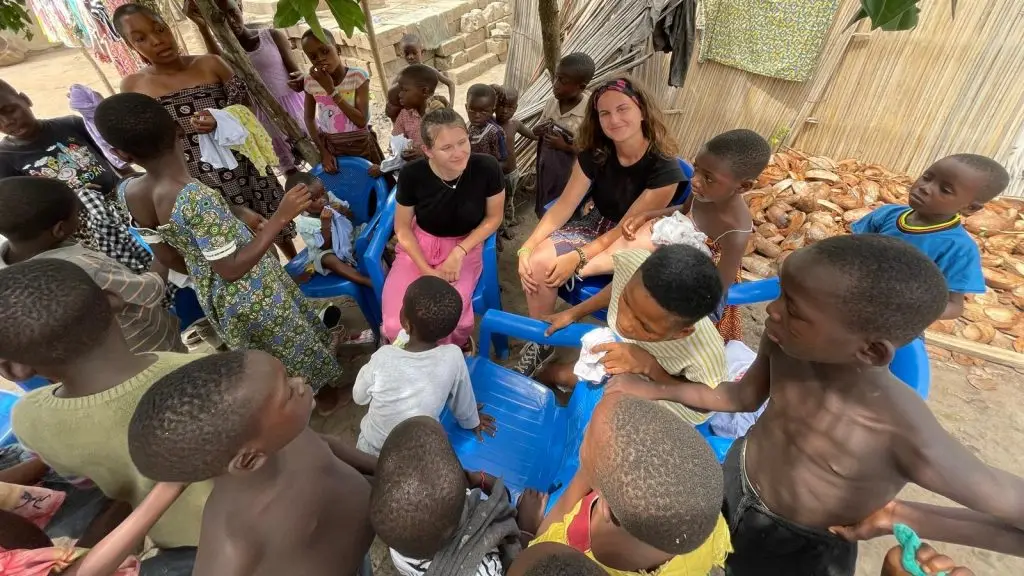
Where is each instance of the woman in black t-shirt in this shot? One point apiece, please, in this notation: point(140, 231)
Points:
point(627, 165)
point(448, 204)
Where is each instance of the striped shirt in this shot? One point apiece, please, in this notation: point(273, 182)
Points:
point(146, 324)
point(700, 357)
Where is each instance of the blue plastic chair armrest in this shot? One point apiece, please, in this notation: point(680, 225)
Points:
point(496, 321)
point(378, 242)
point(753, 292)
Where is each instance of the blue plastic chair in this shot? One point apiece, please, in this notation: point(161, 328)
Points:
point(589, 287)
point(537, 440)
point(487, 295)
point(7, 401)
point(352, 183)
point(909, 364)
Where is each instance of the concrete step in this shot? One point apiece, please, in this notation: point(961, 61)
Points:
point(463, 74)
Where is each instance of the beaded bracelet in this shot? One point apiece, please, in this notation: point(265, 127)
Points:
point(583, 260)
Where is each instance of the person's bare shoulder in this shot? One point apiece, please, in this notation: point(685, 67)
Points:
point(211, 64)
point(131, 82)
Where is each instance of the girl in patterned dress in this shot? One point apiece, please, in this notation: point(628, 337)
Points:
point(187, 86)
point(242, 287)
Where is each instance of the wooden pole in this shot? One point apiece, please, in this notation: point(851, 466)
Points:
point(96, 67)
point(232, 51)
point(382, 76)
point(550, 34)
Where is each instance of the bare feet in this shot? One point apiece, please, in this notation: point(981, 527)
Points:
point(331, 398)
point(530, 510)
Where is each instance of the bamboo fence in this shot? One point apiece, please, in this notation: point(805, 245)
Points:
point(900, 99)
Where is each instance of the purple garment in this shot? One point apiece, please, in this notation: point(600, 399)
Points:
point(84, 100)
point(266, 59)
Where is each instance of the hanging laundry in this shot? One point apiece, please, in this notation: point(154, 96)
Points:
point(777, 38)
point(675, 33)
point(258, 147)
point(84, 100)
point(215, 147)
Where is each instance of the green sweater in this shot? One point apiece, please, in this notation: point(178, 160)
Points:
point(88, 437)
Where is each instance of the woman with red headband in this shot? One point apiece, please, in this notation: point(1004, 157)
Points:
point(626, 166)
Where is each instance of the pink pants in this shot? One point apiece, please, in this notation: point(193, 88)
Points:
point(405, 271)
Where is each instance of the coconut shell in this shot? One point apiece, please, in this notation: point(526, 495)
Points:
point(770, 176)
point(782, 185)
point(848, 165)
point(944, 326)
point(974, 312)
point(816, 232)
point(1001, 243)
point(849, 200)
point(777, 215)
point(1017, 295)
point(989, 221)
point(965, 360)
point(1001, 280)
point(796, 222)
point(1001, 340)
point(851, 216)
point(831, 206)
point(824, 175)
point(981, 332)
point(991, 260)
point(766, 248)
point(807, 196)
point(749, 249)
point(758, 266)
point(1001, 317)
point(777, 239)
point(1007, 203)
point(758, 216)
point(821, 217)
point(890, 194)
point(1018, 345)
point(821, 163)
point(870, 191)
point(989, 298)
point(794, 241)
point(767, 230)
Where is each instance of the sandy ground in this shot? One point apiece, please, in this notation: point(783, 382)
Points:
point(986, 418)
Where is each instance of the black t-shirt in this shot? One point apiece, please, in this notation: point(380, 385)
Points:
point(615, 187)
point(63, 150)
point(445, 211)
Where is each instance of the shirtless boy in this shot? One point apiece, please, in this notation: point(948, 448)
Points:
point(504, 112)
point(842, 436)
point(282, 503)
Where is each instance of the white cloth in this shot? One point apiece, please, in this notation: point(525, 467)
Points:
point(398, 385)
point(678, 229)
point(214, 147)
point(738, 357)
point(398, 145)
point(588, 366)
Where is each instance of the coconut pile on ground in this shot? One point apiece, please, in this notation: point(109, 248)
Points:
point(801, 199)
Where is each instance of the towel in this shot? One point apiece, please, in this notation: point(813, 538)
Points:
point(84, 100)
point(487, 523)
point(215, 147)
point(258, 147)
point(679, 229)
point(341, 236)
point(589, 367)
point(738, 358)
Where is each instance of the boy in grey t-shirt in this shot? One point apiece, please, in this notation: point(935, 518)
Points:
point(418, 379)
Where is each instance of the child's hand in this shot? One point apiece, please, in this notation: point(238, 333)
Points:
point(204, 122)
point(342, 209)
point(931, 562)
point(540, 129)
point(558, 142)
point(249, 217)
point(329, 162)
point(410, 154)
point(558, 321)
point(486, 424)
point(623, 358)
point(879, 523)
point(374, 171)
point(326, 215)
point(632, 385)
point(296, 81)
point(323, 77)
point(563, 269)
point(295, 202)
point(632, 224)
point(191, 10)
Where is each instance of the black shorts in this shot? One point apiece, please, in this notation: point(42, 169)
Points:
point(768, 545)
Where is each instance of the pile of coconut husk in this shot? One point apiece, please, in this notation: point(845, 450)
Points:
point(801, 199)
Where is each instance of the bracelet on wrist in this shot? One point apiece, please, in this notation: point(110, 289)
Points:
point(524, 251)
point(464, 251)
point(583, 260)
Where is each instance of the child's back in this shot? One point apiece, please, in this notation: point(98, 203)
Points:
point(282, 503)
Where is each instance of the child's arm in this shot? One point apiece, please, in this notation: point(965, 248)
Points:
point(630, 224)
point(285, 49)
point(361, 461)
point(598, 301)
point(110, 552)
point(169, 257)
point(462, 403)
point(525, 132)
point(733, 245)
point(954, 307)
point(745, 395)
point(326, 218)
point(447, 82)
point(362, 389)
point(26, 473)
point(359, 113)
point(193, 14)
point(240, 261)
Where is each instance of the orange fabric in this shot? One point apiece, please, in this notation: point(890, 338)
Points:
point(53, 560)
point(730, 325)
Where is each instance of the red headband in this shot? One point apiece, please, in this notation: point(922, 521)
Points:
point(620, 86)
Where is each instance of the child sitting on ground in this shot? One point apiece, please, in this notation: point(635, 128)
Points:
point(416, 85)
point(657, 307)
point(57, 323)
point(841, 435)
point(39, 217)
point(727, 166)
point(282, 503)
point(554, 559)
point(558, 126)
point(325, 214)
point(646, 498)
point(418, 378)
point(423, 509)
point(337, 105)
point(505, 108)
point(485, 134)
point(240, 283)
point(956, 185)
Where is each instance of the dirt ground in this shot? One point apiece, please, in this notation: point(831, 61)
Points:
point(986, 416)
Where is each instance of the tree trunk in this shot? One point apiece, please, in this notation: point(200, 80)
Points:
point(382, 76)
point(236, 57)
point(550, 34)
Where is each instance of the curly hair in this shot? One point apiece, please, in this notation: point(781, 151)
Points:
point(593, 138)
point(432, 308)
point(30, 205)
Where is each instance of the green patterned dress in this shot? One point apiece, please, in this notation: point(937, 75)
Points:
point(263, 310)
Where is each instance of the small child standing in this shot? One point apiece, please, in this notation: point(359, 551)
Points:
point(337, 105)
point(416, 85)
point(271, 55)
point(485, 134)
point(326, 217)
point(412, 50)
point(647, 496)
point(282, 502)
point(422, 507)
point(39, 215)
point(955, 186)
point(419, 378)
point(559, 125)
point(241, 285)
point(504, 113)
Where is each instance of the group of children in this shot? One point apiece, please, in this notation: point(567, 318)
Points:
point(208, 449)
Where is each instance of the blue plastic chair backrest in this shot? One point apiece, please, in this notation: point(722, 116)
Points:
point(353, 184)
point(7, 401)
point(378, 242)
point(688, 171)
